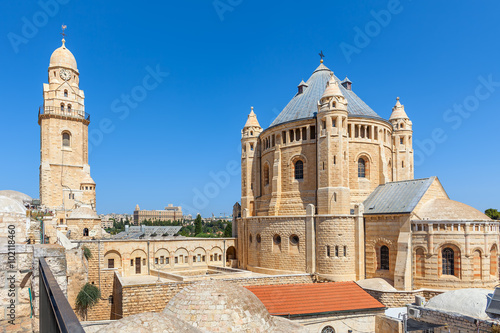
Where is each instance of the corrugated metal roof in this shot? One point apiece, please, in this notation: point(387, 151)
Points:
point(134, 232)
point(305, 105)
point(314, 298)
point(397, 197)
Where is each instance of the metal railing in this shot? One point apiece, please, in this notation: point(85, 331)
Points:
point(66, 112)
point(55, 314)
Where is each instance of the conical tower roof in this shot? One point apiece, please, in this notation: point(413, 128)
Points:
point(252, 120)
point(398, 111)
point(305, 105)
point(332, 88)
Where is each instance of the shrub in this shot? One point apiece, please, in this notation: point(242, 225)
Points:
point(88, 296)
point(87, 253)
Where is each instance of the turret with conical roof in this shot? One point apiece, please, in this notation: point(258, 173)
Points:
point(402, 141)
point(333, 146)
point(249, 173)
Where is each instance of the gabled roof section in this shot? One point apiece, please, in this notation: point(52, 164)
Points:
point(397, 197)
point(314, 298)
point(305, 105)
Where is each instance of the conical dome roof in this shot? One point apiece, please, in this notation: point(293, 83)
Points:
point(305, 105)
point(62, 57)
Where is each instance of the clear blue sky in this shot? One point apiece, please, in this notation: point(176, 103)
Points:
point(247, 53)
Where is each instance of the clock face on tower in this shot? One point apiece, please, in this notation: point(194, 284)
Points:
point(65, 74)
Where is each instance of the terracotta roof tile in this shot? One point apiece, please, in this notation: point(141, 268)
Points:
point(313, 298)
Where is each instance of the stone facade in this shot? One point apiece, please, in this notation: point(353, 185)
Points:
point(415, 245)
point(306, 179)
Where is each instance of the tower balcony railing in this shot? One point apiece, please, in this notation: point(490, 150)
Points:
point(65, 112)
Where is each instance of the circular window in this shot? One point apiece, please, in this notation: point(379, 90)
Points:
point(250, 238)
point(294, 240)
point(327, 329)
point(258, 238)
point(277, 239)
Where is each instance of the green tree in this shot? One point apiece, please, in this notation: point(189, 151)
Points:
point(88, 296)
point(198, 225)
point(228, 232)
point(492, 213)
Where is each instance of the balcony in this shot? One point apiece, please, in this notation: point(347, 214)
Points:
point(56, 314)
point(63, 112)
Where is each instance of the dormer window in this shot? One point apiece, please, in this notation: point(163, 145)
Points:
point(301, 87)
point(65, 93)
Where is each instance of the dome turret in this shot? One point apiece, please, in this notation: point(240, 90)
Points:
point(332, 97)
point(62, 57)
point(398, 111)
point(252, 120)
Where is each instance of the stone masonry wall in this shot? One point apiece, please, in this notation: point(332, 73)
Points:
point(453, 322)
point(396, 299)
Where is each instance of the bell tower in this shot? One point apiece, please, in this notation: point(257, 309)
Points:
point(64, 170)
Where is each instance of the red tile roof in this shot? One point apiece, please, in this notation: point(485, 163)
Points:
point(313, 298)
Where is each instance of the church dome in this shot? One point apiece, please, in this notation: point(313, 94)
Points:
point(21, 197)
point(225, 307)
point(471, 302)
point(62, 57)
point(446, 209)
point(11, 205)
point(149, 322)
point(305, 105)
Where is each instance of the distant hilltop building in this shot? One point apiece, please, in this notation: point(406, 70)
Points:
point(170, 212)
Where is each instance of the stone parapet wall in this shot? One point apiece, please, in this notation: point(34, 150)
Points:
point(397, 299)
point(154, 297)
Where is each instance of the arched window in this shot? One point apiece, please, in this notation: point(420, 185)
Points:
point(85, 232)
point(384, 258)
point(66, 139)
point(448, 261)
point(62, 106)
point(477, 265)
point(65, 93)
point(328, 329)
point(494, 261)
point(277, 239)
point(361, 168)
point(69, 107)
point(420, 263)
point(299, 170)
point(266, 174)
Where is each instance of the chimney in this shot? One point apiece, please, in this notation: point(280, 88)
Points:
point(143, 228)
point(126, 228)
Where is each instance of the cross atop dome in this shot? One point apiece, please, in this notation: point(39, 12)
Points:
point(321, 56)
